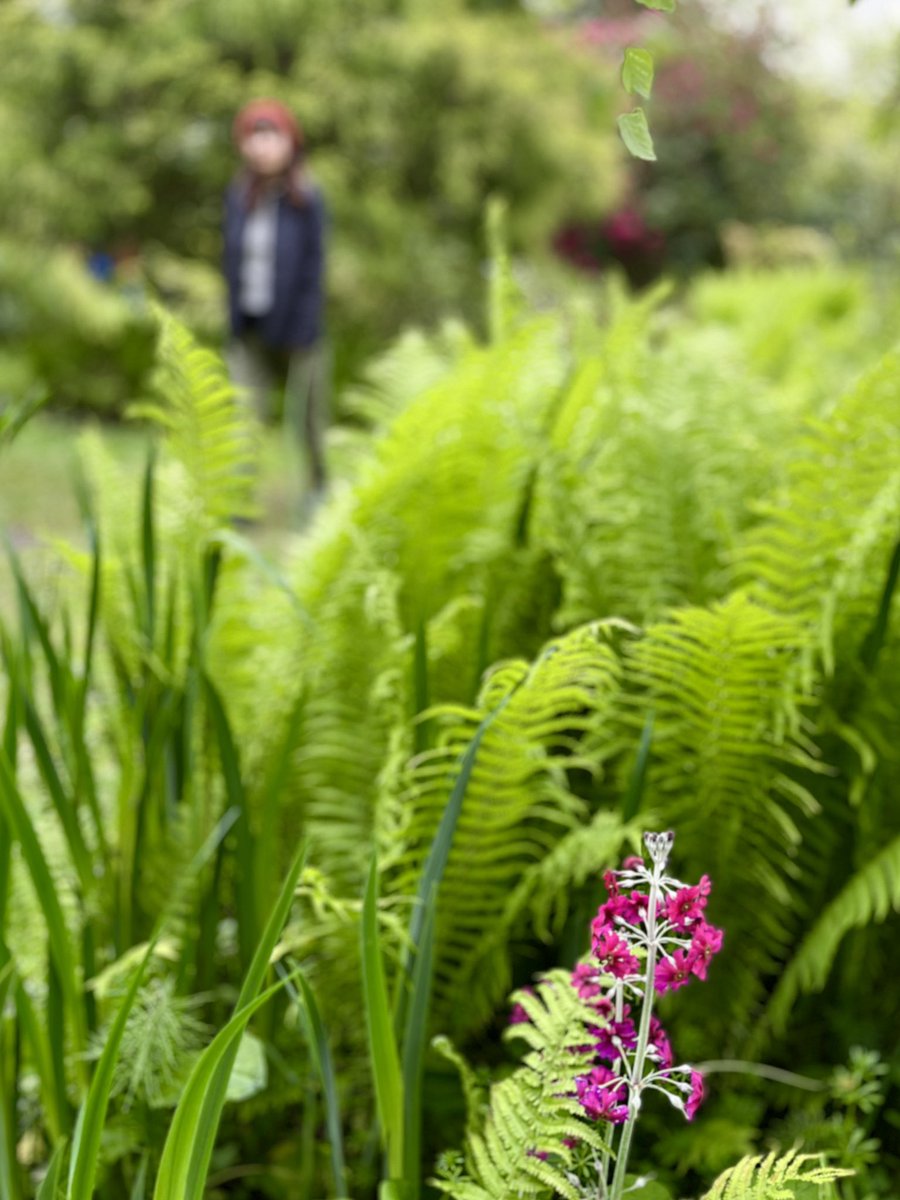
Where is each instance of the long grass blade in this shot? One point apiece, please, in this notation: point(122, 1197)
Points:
point(63, 803)
point(382, 1043)
point(16, 815)
point(438, 856)
point(10, 1180)
point(52, 1181)
point(189, 1145)
point(317, 1039)
point(188, 1148)
point(269, 795)
point(414, 1048)
point(631, 801)
point(148, 547)
point(92, 1115)
point(245, 885)
point(54, 1099)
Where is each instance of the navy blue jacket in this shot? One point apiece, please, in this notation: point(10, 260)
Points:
point(295, 319)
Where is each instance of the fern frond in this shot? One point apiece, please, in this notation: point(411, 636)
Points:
point(646, 482)
point(412, 365)
point(872, 893)
point(721, 685)
point(817, 555)
point(771, 1177)
point(534, 1111)
point(208, 431)
point(518, 807)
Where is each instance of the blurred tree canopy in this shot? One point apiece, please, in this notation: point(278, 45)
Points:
point(115, 119)
point(115, 123)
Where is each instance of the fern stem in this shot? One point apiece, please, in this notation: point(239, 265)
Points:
point(637, 1073)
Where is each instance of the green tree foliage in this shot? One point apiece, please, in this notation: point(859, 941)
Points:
point(116, 120)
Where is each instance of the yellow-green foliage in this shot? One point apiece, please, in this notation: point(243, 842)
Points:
point(773, 1177)
point(533, 1110)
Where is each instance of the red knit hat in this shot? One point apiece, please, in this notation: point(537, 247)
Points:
point(272, 112)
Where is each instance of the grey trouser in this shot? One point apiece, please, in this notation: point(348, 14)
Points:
point(303, 375)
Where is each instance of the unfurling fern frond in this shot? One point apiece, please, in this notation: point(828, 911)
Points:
point(209, 432)
point(519, 1149)
point(545, 720)
point(872, 893)
point(772, 1177)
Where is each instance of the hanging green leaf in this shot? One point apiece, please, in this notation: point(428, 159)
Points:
point(636, 135)
point(637, 72)
point(659, 5)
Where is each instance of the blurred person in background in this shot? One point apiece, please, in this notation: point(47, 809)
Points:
point(274, 261)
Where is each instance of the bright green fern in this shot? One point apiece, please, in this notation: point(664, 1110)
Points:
point(773, 1177)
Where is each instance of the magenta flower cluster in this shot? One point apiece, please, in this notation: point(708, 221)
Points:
point(651, 928)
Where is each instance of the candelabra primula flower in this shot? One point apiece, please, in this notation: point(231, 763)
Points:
point(673, 972)
point(602, 1095)
point(613, 955)
point(649, 936)
point(696, 1097)
point(706, 942)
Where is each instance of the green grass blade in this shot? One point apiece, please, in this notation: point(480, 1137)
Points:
point(52, 1181)
point(34, 623)
point(382, 1043)
point(874, 639)
point(92, 1115)
point(17, 818)
point(277, 917)
point(54, 1100)
point(93, 611)
point(414, 1048)
point(189, 1144)
point(11, 721)
point(270, 793)
point(148, 546)
point(245, 885)
point(420, 685)
point(317, 1039)
point(14, 417)
point(438, 856)
point(631, 801)
point(10, 1179)
point(64, 804)
point(139, 1188)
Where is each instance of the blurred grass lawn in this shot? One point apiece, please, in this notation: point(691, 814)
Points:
point(38, 498)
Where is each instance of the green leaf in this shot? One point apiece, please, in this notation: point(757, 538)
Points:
point(16, 815)
point(188, 1148)
point(189, 1144)
point(382, 1044)
point(659, 5)
point(414, 1044)
point(250, 1072)
point(92, 1115)
point(245, 887)
point(636, 135)
point(637, 72)
point(52, 1182)
point(320, 1051)
point(10, 1183)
